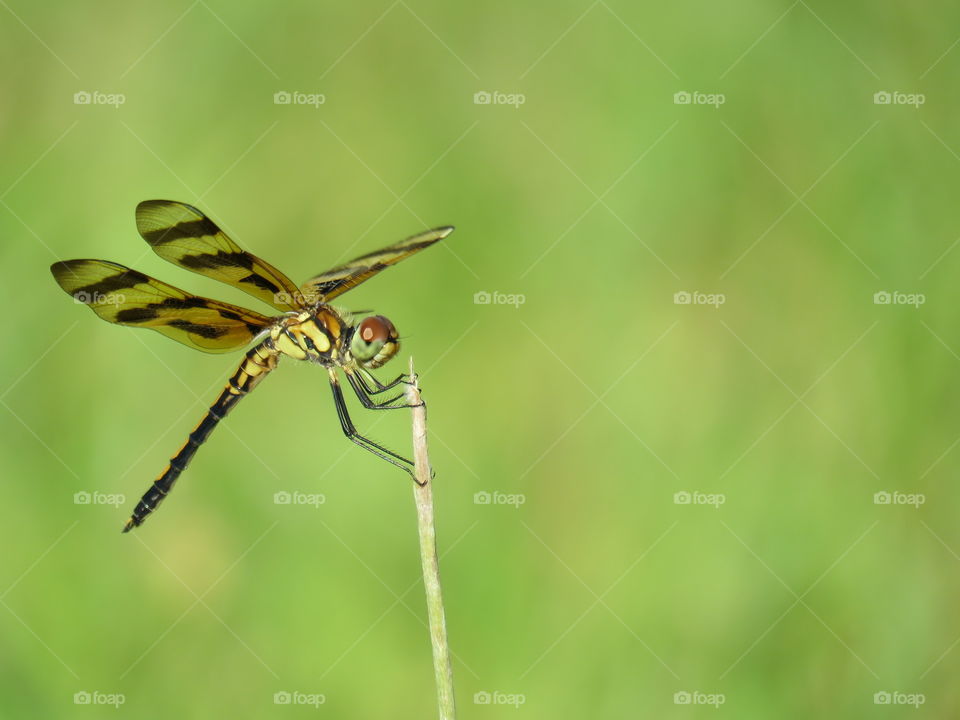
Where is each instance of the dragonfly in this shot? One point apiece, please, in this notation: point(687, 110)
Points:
point(308, 327)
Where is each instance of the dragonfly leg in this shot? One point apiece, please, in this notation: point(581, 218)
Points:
point(363, 393)
point(366, 443)
point(367, 379)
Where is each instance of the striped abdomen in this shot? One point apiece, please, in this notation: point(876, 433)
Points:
point(256, 364)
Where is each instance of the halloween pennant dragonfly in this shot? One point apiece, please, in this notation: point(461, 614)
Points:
point(308, 328)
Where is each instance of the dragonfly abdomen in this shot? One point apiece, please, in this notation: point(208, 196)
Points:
point(257, 363)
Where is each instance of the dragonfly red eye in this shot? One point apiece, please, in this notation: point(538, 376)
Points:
point(375, 328)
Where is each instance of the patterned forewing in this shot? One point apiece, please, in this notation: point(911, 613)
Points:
point(127, 297)
point(183, 235)
point(328, 285)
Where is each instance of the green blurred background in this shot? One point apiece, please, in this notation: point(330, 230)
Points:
point(586, 587)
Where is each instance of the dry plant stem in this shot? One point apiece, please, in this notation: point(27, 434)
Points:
point(423, 495)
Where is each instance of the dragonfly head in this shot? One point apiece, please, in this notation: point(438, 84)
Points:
point(374, 342)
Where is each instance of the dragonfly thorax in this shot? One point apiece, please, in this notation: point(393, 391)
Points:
point(315, 335)
point(326, 337)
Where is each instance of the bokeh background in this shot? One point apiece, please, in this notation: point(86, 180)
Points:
point(647, 507)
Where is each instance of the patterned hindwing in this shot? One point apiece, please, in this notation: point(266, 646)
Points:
point(186, 237)
point(126, 297)
point(328, 285)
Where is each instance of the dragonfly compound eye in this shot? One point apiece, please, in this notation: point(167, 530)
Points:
point(374, 341)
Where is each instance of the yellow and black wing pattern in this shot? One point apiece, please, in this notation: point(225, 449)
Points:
point(127, 297)
point(183, 235)
point(328, 285)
